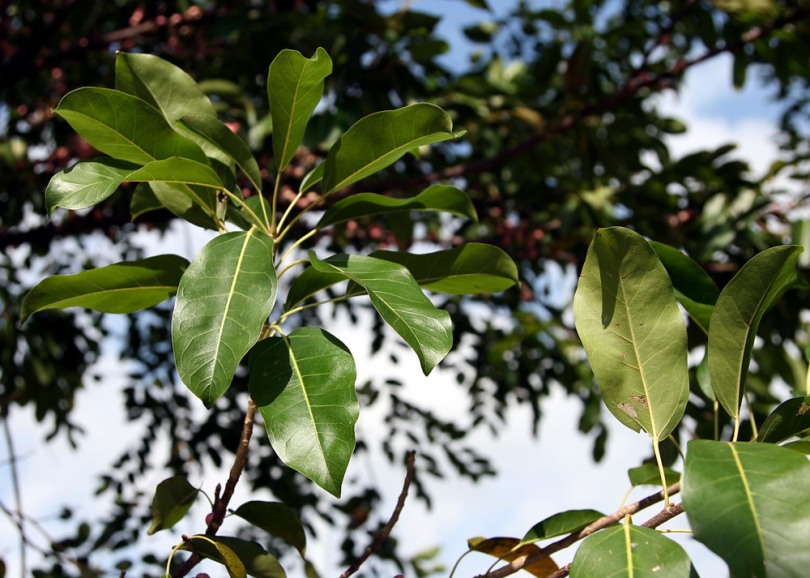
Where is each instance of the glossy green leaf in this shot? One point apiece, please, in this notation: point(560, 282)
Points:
point(172, 501)
point(562, 523)
point(442, 198)
point(165, 86)
point(254, 559)
point(219, 549)
point(382, 138)
point(627, 551)
point(748, 503)
point(791, 418)
point(252, 213)
point(739, 309)
point(143, 201)
point(649, 475)
point(121, 288)
point(219, 135)
point(471, 268)
point(86, 183)
point(695, 290)
point(398, 299)
point(177, 170)
point(294, 89)
point(312, 178)
point(309, 283)
point(276, 519)
point(633, 332)
point(124, 126)
point(303, 385)
point(224, 299)
point(197, 205)
point(509, 549)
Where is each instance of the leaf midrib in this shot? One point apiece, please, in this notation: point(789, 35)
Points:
point(748, 495)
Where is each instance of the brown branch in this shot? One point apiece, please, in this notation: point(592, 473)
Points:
point(386, 530)
point(221, 502)
point(601, 523)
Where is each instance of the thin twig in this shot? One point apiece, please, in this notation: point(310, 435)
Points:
point(19, 518)
point(604, 522)
point(221, 501)
point(386, 530)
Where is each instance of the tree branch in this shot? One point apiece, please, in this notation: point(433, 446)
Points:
point(19, 518)
point(386, 530)
point(221, 501)
point(601, 523)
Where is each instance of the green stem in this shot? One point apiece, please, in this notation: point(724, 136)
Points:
point(290, 266)
point(290, 207)
point(315, 204)
point(311, 305)
point(274, 205)
point(661, 472)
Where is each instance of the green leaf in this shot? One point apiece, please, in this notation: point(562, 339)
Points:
point(173, 499)
point(694, 288)
point(224, 299)
point(443, 198)
point(215, 548)
point(748, 503)
point(254, 560)
point(143, 201)
point(562, 523)
point(312, 178)
point(791, 418)
point(310, 282)
point(86, 183)
point(398, 299)
point(294, 89)
point(509, 549)
point(276, 519)
point(633, 332)
point(737, 313)
point(650, 475)
point(631, 552)
point(303, 385)
point(178, 170)
point(121, 288)
point(472, 268)
point(382, 138)
point(124, 126)
point(165, 86)
point(195, 205)
point(219, 135)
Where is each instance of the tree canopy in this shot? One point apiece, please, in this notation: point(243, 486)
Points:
point(561, 136)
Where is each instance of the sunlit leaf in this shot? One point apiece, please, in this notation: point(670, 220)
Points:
point(177, 170)
point(216, 548)
point(172, 501)
point(737, 313)
point(748, 503)
point(562, 523)
point(86, 183)
point(304, 387)
point(398, 299)
point(124, 126)
point(509, 549)
point(442, 198)
point(633, 332)
point(276, 519)
point(255, 560)
point(627, 551)
point(791, 418)
point(224, 299)
point(312, 178)
point(294, 89)
point(380, 139)
point(310, 282)
point(121, 288)
point(197, 205)
point(471, 268)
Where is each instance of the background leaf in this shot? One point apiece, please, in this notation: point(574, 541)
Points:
point(124, 126)
point(631, 552)
point(294, 89)
point(633, 332)
point(378, 140)
point(223, 300)
point(443, 198)
point(748, 503)
point(255, 560)
point(172, 501)
point(791, 418)
point(218, 549)
point(561, 523)
point(509, 549)
point(736, 317)
point(650, 475)
point(121, 288)
point(398, 299)
point(276, 519)
point(303, 385)
point(86, 183)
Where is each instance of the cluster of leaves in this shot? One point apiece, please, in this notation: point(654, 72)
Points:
point(159, 129)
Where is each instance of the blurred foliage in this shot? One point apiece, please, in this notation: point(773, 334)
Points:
point(563, 135)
